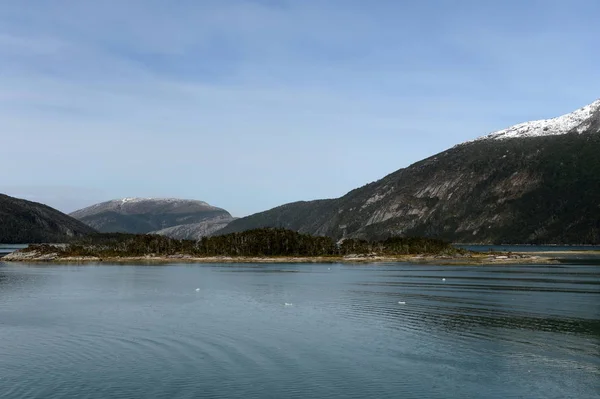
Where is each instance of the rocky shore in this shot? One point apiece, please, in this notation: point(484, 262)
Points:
point(26, 255)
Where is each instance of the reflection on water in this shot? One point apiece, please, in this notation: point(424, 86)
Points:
point(258, 331)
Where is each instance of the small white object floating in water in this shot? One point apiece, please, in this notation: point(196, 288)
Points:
point(197, 289)
point(329, 268)
point(443, 279)
point(288, 304)
point(401, 303)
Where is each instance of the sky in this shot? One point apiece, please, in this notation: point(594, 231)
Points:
point(250, 104)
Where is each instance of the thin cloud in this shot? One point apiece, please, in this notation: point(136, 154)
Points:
point(250, 104)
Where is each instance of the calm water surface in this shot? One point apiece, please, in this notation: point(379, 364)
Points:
point(529, 248)
point(300, 331)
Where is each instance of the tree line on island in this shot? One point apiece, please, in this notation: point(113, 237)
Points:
point(264, 242)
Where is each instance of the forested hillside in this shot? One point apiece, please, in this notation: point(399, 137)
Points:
point(23, 221)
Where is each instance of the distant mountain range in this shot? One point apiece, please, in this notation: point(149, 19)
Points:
point(23, 221)
point(536, 182)
point(177, 218)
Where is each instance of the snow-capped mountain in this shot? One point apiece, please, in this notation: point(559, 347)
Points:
point(537, 182)
point(577, 121)
point(136, 205)
point(145, 215)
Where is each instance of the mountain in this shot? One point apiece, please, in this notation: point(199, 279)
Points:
point(536, 182)
point(195, 231)
point(145, 215)
point(24, 221)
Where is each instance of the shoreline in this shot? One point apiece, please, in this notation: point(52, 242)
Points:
point(563, 252)
point(473, 259)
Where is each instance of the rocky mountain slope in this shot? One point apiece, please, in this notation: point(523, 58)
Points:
point(536, 182)
point(195, 231)
point(145, 215)
point(24, 221)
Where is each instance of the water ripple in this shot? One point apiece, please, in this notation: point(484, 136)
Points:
point(382, 331)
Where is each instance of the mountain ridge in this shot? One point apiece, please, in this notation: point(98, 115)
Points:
point(540, 188)
point(147, 215)
point(560, 125)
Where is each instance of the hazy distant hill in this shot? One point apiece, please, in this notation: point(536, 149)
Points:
point(145, 215)
point(23, 221)
point(536, 182)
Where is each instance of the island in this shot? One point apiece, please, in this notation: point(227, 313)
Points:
point(266, 245)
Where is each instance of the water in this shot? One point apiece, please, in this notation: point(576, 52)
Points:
point(146, 332)
point(528, 248)
point(8, 248)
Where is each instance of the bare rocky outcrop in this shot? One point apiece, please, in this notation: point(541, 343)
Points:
point(195, 231)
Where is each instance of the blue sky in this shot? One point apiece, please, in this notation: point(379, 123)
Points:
point(249, 104)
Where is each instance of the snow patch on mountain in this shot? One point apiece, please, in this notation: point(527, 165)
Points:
point(137, 205)
point(155, 200)
point(576, 121)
